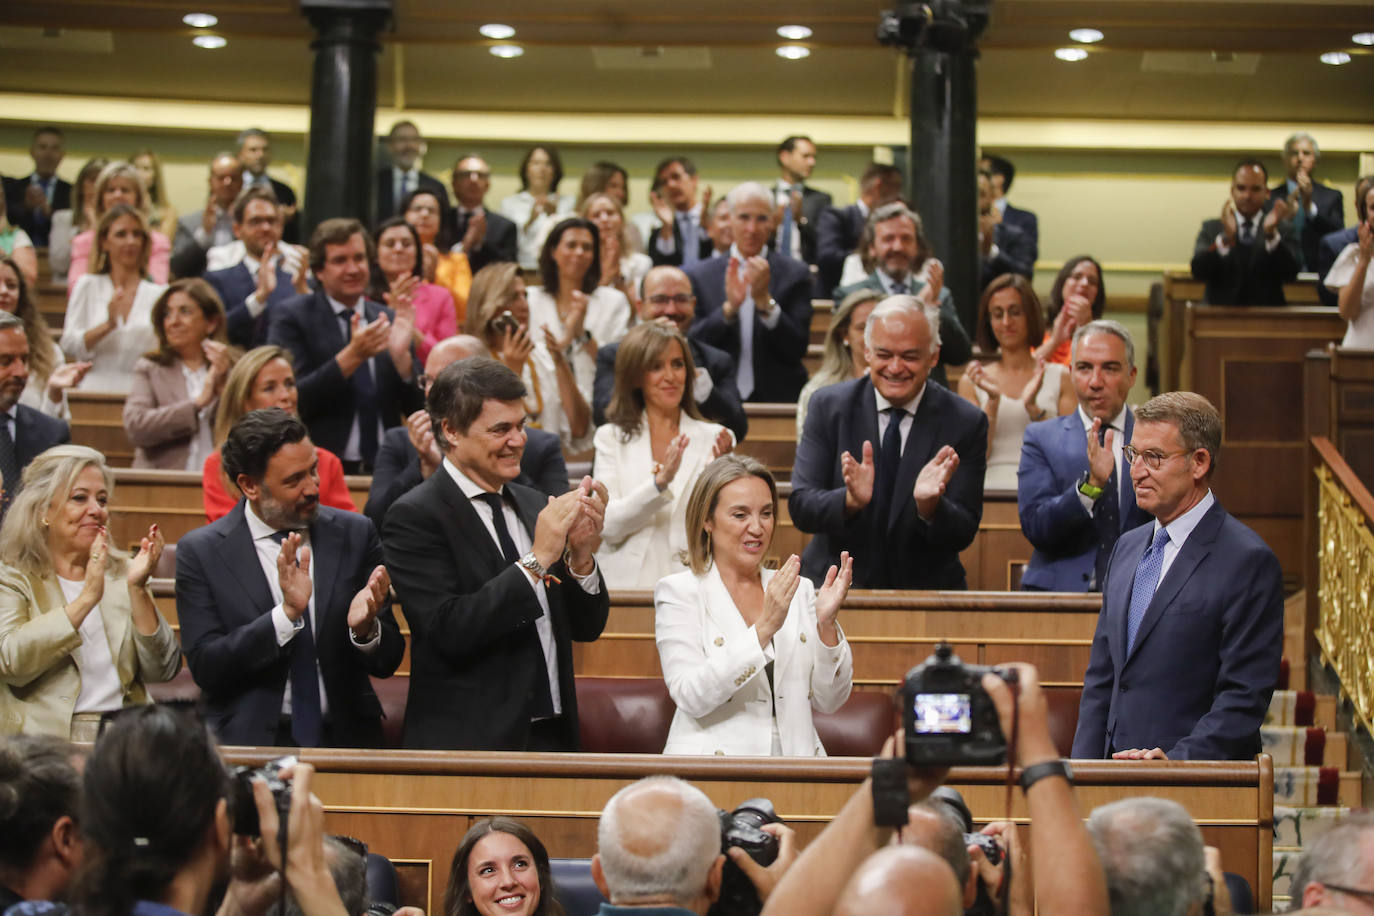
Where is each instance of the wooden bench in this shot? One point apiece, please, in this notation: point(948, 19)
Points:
point(51, 299)
point(821, 311)
point(98, 421)
point(414, 806)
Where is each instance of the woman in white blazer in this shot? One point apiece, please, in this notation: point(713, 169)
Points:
point(649, 454)
point(747, 652)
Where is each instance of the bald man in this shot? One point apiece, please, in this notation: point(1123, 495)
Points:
point(902, 881)
point(408, 454)
point(198, 232)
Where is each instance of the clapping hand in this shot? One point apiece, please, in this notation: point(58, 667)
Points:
point(935, 281)
point(267, 273)
point(368, 338)
point(858, 479)
point(585, 535)
point(666, 470)
point(1365, 234)
point(1032, 389)
point(420, 429)
point(1281, 211)
point(777, 598)
point(362, 610)
point(67, 375)
point(149, 552)
point(978, 374)
point(1229, 228)
point(831, 595)
point(724, 444)
point(293, 576)
point(1101, 458)
point(476, 232)
point(664, 211)
point(934, 477)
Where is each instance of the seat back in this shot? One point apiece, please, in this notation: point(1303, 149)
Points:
point(624, 715)
point(392, 693)
point(859, 727)
point(574, 887)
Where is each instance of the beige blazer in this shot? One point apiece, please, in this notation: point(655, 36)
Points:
point(160, 417)
point(714, 667)
point(39, 676)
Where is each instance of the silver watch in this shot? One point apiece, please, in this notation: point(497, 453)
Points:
point(531, 562)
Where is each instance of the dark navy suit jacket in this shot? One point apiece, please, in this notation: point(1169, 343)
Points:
point(497, 246)
point(1054, 457)
point(1206, 658)
point(920, 554)
point(837, 235)
point(224, 601)
point(1029, 224)
point(1247, 274)
point(1330, 218)
point(1015, 254)
point(721, 406)
point(234, 285)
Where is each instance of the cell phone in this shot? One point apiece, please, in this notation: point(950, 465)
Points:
point(505, 322)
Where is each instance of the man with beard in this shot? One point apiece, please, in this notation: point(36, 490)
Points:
point(25, 432)
point(283, 602)
point(897, 244)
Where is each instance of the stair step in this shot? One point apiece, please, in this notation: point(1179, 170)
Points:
point(1311, 786)
point(1301, 707)
point(1295, 826)
point(1285, 863)
point(1300, 745)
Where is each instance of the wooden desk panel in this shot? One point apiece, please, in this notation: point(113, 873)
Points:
point(414, 806)
point(98, 422)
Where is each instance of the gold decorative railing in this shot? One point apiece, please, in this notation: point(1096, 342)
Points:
point(1345, 596)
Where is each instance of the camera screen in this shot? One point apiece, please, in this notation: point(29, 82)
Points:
point(943, 714)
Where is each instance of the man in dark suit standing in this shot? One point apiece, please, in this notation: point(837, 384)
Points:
point(354, 358)
point(496, 579)
point(405, 147)
point(889, 467)
point(1246, 256)
point(255, 286)
point(283, 603)
point(1073, 488)
point(840, 229)
point(25, 433)
point(1186, 653)
point(1002, 247)
point(255, 155)
point(799, 207)
point(1001, 173)
point(683, 234)
point(409, 454)
point(897, 244)
point(30, 201)
point(668, 297)
point(1314, 209)
point(487, 237)
point(755, 304)
point(1333, 243)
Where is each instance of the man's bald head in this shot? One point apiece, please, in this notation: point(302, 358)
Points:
point(450, 350)
point(931, 825)
point(659, 842)
point(902, 881)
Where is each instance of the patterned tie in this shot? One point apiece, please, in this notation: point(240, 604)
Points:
point(9, 466)
point(1144, 585)
point(498, 518)
point(691, 249)
point(788, 225)
point(364, 397)
point(307, 718)
point(1247, 232)
point(899, 289)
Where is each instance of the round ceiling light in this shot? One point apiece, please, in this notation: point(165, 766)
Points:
point(209, 42)
point(794, 32)
point(1335, 58)
point(793, 52)
point(1363, 38)
point(498, 31)
point(1086, 36)
point(200, 20)
point(1070, 54)
point(506, 51)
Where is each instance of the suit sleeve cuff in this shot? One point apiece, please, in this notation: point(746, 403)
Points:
point(254, 305)
point(770, 321)
point(591, 582)
point(1271, 243)
point(373, 641)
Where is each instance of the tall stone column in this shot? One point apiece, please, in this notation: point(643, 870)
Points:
point(343, 105)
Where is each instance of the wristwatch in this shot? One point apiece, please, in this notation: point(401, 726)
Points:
point(1036, 772)
point(1088, 489)
point(531, 562)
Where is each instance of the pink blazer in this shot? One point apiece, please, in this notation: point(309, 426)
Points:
point(159, 259)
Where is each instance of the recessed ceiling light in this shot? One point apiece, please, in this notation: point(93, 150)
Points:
point(794, 32)
point(1086, 36)
point(1335, 58)
point(506, 51)
point(209, 42)
point(497, 30)
point(200, 20)
point(1363, 38)
point(793, 52)
point(1070, 54)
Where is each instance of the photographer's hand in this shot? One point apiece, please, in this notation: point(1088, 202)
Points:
point(1022, 887)
point(305, 869)
point(765, 878)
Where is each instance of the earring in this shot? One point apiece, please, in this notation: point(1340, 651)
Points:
point(45, 523)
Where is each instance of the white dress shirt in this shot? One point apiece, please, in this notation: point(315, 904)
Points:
point(100, 687)
point(518, 207)
point(907, 419)
point(113, 357)
point(1123, 473)
point(744, 372)
point(1179, 529)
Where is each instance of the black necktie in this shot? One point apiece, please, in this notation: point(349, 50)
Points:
point(364, 397)
point(498, 517)
point(307, 719)
point(9, 465)
point(889, 460)
point(1106, 518)
point(1247, 232)
point(462, 224)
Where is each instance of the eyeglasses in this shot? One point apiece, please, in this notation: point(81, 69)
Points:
point(1352, 891)
point(679, 299)
point(1152, 459)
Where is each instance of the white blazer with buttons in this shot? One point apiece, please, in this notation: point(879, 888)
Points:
point(714, 668)
point(645, 530)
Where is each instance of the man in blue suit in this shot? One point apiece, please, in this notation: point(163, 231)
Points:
point(252, 288)
point(1073, 490)
point(755, 306)
point(1186, 653)
point(25, 433)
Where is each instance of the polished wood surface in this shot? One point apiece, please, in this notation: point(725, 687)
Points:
point(98, 421)
point(414, 806)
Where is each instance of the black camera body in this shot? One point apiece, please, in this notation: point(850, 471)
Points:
point(741, 828)
point(245, 809)
point(948, 717)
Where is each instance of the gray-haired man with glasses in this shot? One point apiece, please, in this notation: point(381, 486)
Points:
point(1337, 868)
point(667, 296)
point(1186, 653)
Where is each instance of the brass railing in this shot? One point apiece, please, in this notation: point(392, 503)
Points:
point(1345, 562)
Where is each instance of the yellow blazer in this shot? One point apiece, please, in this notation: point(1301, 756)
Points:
point(40, 677)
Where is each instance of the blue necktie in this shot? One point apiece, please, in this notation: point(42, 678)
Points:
point(744, 371)
point(364, 397)
point(788, 225)
point(1144, 585)
point(691, 248)
point(307, 718)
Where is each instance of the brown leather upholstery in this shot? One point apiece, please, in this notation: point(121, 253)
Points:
point(1063, 715)
point(859, 727)
point(392, 693)
point(167, 563)
point(624, 715)
point(181, 687)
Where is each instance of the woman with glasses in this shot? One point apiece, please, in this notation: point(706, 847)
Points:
point(399, 272)
point(79, 632)
point(441, 263)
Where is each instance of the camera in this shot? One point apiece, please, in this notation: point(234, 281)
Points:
point(505, 322)
point(741, 828)
point(946, 25)
point(951, 798)
point(948, 717)
point(245, 809)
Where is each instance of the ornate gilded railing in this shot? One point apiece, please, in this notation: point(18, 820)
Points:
point(1345, 589)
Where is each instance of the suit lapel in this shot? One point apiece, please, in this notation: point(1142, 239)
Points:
point(467, 526)
point(241, 559)
point(1193, 552)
